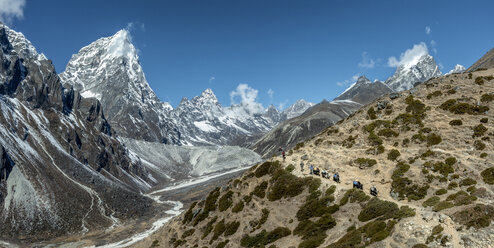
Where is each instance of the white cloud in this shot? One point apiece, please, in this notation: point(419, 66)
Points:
point(428, 30)
point(270, 93)
point(353, 79)
point(410, 56)
point(10, 9)
point(433, 43)
point(211, 79)
point(367, 62)
point(248, 97)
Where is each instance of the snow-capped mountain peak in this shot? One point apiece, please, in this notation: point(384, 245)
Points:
point(298, 108)
point(458, 69)
point(120, 45)
point(22, 46)
point(418, 69)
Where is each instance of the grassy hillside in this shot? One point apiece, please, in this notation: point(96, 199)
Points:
point(428, 151)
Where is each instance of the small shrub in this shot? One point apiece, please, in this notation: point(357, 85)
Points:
point(478, 216)
point(290, 168)
point(405, 142)
point(209, 227)
point(374, 140)
point(238, 207)
point(433, 139)
point(264, 238)
point(431, 201)
point(225, 201)
point(443, 168)
point(404, 212)
point(442, 205)
point(469, 75)
point(451, 91)
point(189, 215)
point(452, 185)
point(387, 132)
point(471, 190)
point(483, 155)
point(461, 198)
point(371, 113)
point(479, 145)
point(456, 123)
point(468, 181)
point(479, 131)
point(427, 153)
point(393, 155)
point(450, 160)
point(441, 191)
point(365, 162)
point(434, 94)
point(487, 98)
point(298, 146)
point(354, 195)
point(222, 244)
point(484, 120)
point(488, 175)
point(376, 208)
point(218, 230)
point(264, 218)
point(231, 228)
point(266, 168)
point(188, 233)
point(209, 205)
point(479, 80)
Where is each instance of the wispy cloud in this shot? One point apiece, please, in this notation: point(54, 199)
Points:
point(248, 96)
point(10, 9)
point(433, 45)
point(211, 79)
point(353, 79)
point(270, 93)
point(131, 26)
point(282, 105)
point(410, 56)
point(366, 62)
point(428, 30)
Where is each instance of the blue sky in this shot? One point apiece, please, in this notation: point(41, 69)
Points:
point(286, 50)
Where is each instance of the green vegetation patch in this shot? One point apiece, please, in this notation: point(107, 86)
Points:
point(290, 168)
point(393, 154)
point(316, 206)
point(479, 131)
point(354, 195)
point(488, 175)
point(209, 227)
point(189, 215)
point(443, 168)
point(434, 94)
point(377, 208)
point(365, 162)
point(238, 207)
point(313, 233)
point(225, 201)
point(209, 205)
point(431, 201)
point(387, 132)
point(405, 186)
point(433, 139)
point(479, 145)
point(231, 228)
point(287, 185)
point(456, 123)
point(463, 108)
point(264, 238)
point(267, 168)
point(441, 191)
point(371, 113)
point(218, 230)
point(442, 205)
point(478, 216)
point(468, 181)
point(487, 98)
point(222, 244)
point(260, 190)
point(461, 198)
point(371, 232)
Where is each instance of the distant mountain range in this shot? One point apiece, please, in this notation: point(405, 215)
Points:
point(109, 70)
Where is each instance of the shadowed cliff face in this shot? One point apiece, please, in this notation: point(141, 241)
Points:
point(62, 171)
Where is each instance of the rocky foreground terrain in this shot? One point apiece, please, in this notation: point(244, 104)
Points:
point(428, 151)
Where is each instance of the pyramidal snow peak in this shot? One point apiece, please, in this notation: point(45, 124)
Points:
point(418, 69)
point(298, 108)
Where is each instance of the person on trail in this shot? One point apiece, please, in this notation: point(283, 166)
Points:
point(373, 190)
point(311, 167)
point(302, 166)
point(357, 184)
point(283, 153)
point(336, 177)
